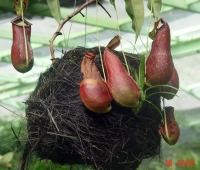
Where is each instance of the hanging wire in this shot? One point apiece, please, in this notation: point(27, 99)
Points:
point(85, 26)
point(71, 25)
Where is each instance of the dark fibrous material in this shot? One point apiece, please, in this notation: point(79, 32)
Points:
point(60, 128)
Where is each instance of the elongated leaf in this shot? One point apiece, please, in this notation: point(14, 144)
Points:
point(6, 158)
point(135, 10)
point(18, 8)
point(54, 6)
point(112, 2)
point(142, 71)
point(155, 6)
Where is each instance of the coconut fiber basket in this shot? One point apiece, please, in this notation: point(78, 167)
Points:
point(61, 129)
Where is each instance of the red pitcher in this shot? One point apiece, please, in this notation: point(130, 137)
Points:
point(22, 60)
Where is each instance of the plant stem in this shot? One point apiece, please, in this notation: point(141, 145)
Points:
point(155, 107)
point(127, 67)
point(67, 19)
point(100, 54)
point(150, 18)
point(25, 40)
point(165, 120)
point(155, 86)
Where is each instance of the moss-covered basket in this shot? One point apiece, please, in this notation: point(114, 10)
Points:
point(60, 128)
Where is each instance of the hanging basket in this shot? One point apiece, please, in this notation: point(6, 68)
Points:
point(60, 128)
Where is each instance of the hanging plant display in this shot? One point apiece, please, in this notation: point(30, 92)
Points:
point(97, 106)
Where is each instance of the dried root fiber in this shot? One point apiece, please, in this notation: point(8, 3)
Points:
point(60, 128)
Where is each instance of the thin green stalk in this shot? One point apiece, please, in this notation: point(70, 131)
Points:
point(126, 63)
point(165, 120)
point(155, 86)
point(150, 18)
point(160, 93)
point(155, 107)
point(25, 40)
point(101, 58)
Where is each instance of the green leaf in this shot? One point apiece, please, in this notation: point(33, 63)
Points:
point(112, 2)
point(140, 81)
point(20, 5)
point(142, 71)
point(135, 10)
point(136, 78)
point(4, 159)
point(155, 6)
point(54, 6)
